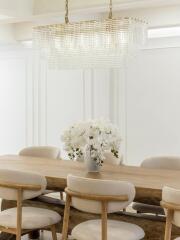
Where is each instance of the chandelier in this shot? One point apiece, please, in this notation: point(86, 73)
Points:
point(90, 44)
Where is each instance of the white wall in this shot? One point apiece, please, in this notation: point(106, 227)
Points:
point(68, 96)
point(6, 34)
point(38, 104)
point(153, 96)
point(14, 86)
point(64, 102)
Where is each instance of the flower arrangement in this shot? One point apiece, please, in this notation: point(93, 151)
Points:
point(95, 136)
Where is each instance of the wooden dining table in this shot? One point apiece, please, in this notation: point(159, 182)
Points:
point(148, 184)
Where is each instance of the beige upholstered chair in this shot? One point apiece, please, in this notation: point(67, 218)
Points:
point(162, 162)
point(171, 203)
point(19, 186)
point(41, 151)
point(111, 159)
point(100, 197)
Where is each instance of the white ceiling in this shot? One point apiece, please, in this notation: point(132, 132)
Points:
point(30, 10)
point(17, 17)
point(47, 6)
point(16, 8)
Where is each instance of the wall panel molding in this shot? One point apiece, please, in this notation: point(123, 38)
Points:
point(88, 81)
point(24, 97)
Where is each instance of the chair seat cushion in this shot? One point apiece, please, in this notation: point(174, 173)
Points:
point(116, 230)
point(32, 218)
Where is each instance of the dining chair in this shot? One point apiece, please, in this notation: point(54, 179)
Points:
point(171, 203)
point(20, 186)
point(111, 159)
point(161, 162)
point(99, 197)
point(42, 152)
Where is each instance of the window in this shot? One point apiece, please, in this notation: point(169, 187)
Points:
point(164, 32)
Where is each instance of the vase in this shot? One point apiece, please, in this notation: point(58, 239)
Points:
point(91, 165)
point(80, 159)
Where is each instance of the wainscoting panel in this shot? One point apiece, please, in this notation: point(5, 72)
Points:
point(64, 102)
point(38, 104)
point(152, 109)
point(15, 121)
point(68, 96)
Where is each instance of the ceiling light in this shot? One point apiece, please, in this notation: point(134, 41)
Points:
point(90, 44)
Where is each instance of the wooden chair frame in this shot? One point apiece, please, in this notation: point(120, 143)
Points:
point(18, 231)
point(104, 199)
point(170, 207)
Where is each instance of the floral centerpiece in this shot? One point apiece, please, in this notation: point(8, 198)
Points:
point(91, 139)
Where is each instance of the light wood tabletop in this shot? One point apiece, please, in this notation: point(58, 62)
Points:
point(148, 182)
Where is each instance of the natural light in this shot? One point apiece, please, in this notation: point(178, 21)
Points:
point(173, 31)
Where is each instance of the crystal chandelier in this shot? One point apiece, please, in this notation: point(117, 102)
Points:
point(90, 44)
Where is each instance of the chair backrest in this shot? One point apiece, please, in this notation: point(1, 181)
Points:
point(102, 188)
point(111, 159)
point(11, 177)
point(172, 196)
point(41, 151)
point(162, 162)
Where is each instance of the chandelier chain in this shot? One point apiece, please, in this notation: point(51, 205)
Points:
point(67, 12)
point(110, 9)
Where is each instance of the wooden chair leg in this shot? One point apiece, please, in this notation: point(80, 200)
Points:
point(168, 224)
point(104, 220)
point(19, 214)
point(54, 234)
point(66, 218)
point(18, 237)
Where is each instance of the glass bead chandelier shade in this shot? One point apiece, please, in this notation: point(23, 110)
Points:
point(90, 44)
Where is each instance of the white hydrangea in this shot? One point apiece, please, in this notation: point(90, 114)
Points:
point(95, 136)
